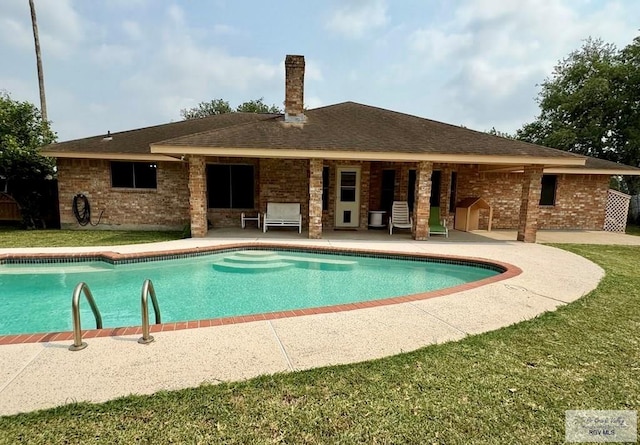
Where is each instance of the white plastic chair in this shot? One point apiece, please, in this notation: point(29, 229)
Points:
point(400, 216)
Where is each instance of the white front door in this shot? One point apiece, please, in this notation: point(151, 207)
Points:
point(348, 197)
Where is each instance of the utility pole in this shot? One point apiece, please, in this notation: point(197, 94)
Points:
point(36, 39)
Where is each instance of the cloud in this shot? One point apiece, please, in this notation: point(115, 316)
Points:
point(313, 102)
point(222, 29)
point(15, 33)
point(108, 55)
point(438, 44)
point(312, 71)
point(494, 53)
point(132, 30)
point(355, 18)
point(183, 68)
point(61, 28)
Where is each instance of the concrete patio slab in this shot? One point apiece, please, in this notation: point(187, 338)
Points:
point(42, 375)
point(347, 337)
point(118, 366)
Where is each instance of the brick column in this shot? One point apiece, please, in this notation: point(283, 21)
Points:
point(197, 196)
point(445, 192)
point(315, 198)
point(365, 182)
point(421, 206)
point(529, 203)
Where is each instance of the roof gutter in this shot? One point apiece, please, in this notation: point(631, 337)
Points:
point(287, 153)
point(111, 156)
point(592, 171)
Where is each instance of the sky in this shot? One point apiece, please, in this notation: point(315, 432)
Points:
point(123, 64)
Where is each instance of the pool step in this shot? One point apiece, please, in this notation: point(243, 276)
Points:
point(251, 267)
point(264, 260)
point(251, 260)
point(321, 263)
point(255, 253)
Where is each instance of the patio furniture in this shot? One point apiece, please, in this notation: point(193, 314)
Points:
point(375, 218)
point(244, 218)
point(281, 214)
point(400, 216)
point(437, 226)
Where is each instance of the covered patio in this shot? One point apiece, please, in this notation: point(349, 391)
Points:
point(362, 237)
point(338, 194)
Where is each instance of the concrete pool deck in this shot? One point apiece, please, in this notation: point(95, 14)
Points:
point(42, 375)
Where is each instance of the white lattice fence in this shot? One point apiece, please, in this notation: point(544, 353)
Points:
point(617, 209)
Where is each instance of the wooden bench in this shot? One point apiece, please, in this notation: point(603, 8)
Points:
point(281, 214)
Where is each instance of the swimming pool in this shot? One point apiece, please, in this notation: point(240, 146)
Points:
point(36, 297)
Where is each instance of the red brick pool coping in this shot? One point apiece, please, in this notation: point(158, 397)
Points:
point(510, 271)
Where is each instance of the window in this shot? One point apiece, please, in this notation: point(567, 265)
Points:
point(230, 186)
point(325, 188)
point(348, 186)
point(134, 175)
point(548, 192)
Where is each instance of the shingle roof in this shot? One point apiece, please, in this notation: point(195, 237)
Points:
point(348, 126)
point(137, 141)
point(601, 164)
point(351, 126)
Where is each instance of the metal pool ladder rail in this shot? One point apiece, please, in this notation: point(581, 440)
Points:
point(147, 289)
point(78, 344)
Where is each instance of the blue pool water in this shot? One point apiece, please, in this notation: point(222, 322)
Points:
point(37, 297)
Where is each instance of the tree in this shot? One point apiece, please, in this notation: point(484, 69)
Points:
point(219, 106)
point(628, 134)
point(36, 40)
point(258, 106)
point(502, 134)
point(204, 109)
point(22, 132)
point(589, 105)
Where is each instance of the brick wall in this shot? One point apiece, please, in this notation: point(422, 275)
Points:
point(294, 85)
point(501, 190)
point(285, 180)
point(167, 207)
point(580, 199)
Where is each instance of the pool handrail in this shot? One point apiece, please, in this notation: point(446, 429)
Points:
point(82, 287)
point(147, 289)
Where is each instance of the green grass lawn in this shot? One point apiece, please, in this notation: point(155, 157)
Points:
point(508, 386)
point(10, 237)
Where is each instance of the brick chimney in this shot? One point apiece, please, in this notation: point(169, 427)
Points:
point(294, 89)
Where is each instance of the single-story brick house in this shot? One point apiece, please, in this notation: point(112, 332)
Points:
point(339, 162)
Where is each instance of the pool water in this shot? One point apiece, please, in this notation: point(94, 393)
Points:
point(37, 297)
